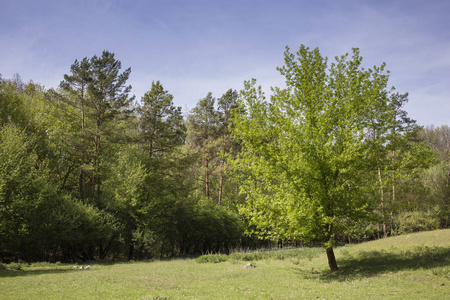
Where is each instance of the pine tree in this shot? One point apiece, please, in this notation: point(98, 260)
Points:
point(226, 105)
point(110, 102)
point(203, 130)
point(77, 84)
point(161, 123)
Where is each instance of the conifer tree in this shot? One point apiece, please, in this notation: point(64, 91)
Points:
point(110, 103)
point(204, 126)
point(161, 123)
point(226, 105)
point(77, 84)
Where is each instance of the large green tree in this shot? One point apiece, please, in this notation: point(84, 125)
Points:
point(110, 103)
point(306, 154)
point(96, 109)
point(97, 89)
point(76, 85)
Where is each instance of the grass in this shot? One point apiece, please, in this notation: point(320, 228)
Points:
point(415, 266)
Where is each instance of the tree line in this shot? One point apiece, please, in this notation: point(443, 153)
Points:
point(89, 172)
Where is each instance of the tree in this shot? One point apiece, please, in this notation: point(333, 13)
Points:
point(398, 124)
point(161, 123)
point(437, 178)
point(305, 153)
point(226, 105)
point(124, 184)
point(77, 85)
point(39, 220)
point(161, 132)
point(110, 102)
point(98, 90)
point(203, 124)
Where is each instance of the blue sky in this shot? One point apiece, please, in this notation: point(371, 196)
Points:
point(194, 47)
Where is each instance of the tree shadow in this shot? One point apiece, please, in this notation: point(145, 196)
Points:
point(35, 272)
point(373, 263)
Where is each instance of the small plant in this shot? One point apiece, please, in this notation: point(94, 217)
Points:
point(45, 264)
point(211, 258)
point(444, 272)
point(14, 266)
point(248, 256)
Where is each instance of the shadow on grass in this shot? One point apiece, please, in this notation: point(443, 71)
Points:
point(374, 263)
point(35, 272)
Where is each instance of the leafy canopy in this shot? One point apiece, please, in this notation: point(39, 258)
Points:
point(306, 154)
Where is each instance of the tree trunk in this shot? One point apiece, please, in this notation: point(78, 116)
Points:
point(382, 202)
point(329, 249)
point(331, 259)
point(207, 179)
point(97, 139)
point(131, 252)
point(393, 191)
point(150, 149)
point(220, 185)
point(83, 160)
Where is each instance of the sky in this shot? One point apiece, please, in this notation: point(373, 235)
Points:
point(195, 46)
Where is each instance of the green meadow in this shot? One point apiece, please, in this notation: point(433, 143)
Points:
point(414, 266)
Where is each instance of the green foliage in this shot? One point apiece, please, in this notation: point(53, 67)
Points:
point(439, 139)
point(161, 123)
point(84, 176)
point(435, 180)
point(305, 151)
point(205, 227)
point(203, 130)
point(211, 258)
point(417, 221)
point(37, 222)
point(24, 191)
point(12, 108)
point(361, 230)
point(257, 255)
point(275, 254)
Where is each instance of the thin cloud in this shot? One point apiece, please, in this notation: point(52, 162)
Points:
point(194, 47)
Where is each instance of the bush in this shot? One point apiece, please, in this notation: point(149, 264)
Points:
point(417, 221)
point(14, 266)
point(298, 253)
point(250, 256)
point(211, 258)
point(348, 231)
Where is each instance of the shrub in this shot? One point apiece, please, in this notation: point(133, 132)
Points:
point(298, 253)
point(417, 221)
point(211, 258)
point(15, 266)
point(250, 256)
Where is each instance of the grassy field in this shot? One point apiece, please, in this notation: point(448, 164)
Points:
point(415, 266)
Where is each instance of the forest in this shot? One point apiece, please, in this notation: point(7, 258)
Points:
point(89, 172)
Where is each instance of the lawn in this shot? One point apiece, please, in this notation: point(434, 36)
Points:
point(414, 266)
